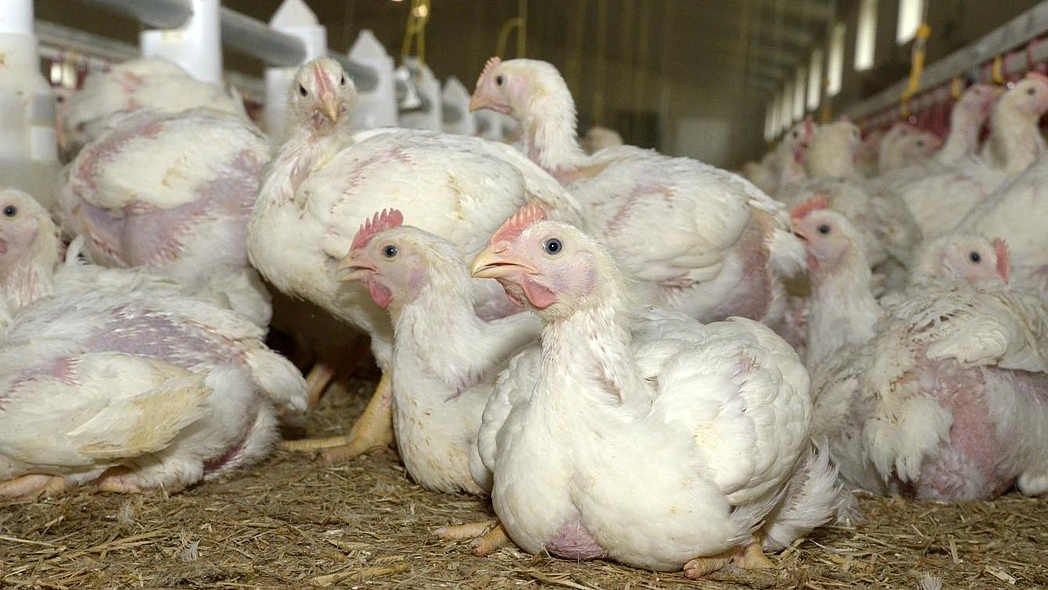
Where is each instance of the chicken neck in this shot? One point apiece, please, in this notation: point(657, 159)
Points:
point(1015, 140)
point(843, 311)
point(549, 137)
point(963, 138)
point(831, 159)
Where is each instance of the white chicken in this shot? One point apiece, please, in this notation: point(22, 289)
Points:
point(445, 358)
point(706, 426)
point(697, 239)
point(910, 149)
point(1016, 140)
point(114, 374)
point(308, 210)
point(599, 137)
point(967, 118)
point(945, 394)
point(172, 193)
point(140, 84)
point(833, 151)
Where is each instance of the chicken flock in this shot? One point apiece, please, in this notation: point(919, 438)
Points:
point(637, 357)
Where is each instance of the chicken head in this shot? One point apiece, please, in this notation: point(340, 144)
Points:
point(968, 257)
point(1029, 96)
point(554, 266)
point(381, 259)
point(510, 87)
point(978, 100)
point(322, 94)
point(27, 233)
point(828, 237)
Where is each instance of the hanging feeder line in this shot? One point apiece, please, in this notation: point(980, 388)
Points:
point(519, 24)
point(920, 43)
point(415, 30)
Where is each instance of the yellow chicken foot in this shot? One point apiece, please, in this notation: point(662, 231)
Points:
point(33, 485)
point(752, 557)
point(118, 483)
point(374, 429)
point(317, 380)
point(488, 536)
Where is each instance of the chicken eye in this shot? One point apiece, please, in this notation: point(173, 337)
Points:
point(794, 135)
point(10, 211)
point(975, 257)
point(499, 80)
point(552, 246)
point(824, 229)
point(1031, 91)
point(302, 90)
point(389, 251)
point(342, 80)
point(920, 143)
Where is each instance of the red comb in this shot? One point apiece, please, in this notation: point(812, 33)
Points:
point(1033, 75)
point(520, 221)
point(809, 127)
point(813, 204)
point(490, 65)
point(845, 119)
point(1004, 258)
point(379, 223)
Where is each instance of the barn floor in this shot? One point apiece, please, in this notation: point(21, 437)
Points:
point(294, 523)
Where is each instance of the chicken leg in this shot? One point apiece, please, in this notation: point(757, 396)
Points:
point(488, 536)
point(752, 557)
point(317, 381)
point(32, 485)
point(373, 430)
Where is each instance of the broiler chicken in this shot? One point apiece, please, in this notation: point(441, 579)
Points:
point(833, 151)
point(696, 239)
point(944, 394)
point(308, 210)
point(171, 193)
point(140, 84)
point(1018, 112)
point(598, 138)
point(905, 151)
point(706, 426)
point(445, 358)
point(114, 376)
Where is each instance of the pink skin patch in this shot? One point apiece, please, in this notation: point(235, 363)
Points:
point(1004, 264)
point(538, 295)
point(361, 170)
point(382, 221)
point(380, 293)
point(573, 541)
point(63, 369)
point(524, 218)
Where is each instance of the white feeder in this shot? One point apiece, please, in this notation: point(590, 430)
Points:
point(378, 107)
point(196, 46)
point(430, 116)
point(28, 143)
point(293, 18)
point(457, 118)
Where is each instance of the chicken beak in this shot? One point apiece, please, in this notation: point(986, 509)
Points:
point(484, 99)
point(352, 268)
point(329, 106)
point(477, 102)
point(494, 265)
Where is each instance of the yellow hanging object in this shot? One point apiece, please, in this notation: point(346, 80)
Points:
point(518, 23)
point(916, 66)
point(956, 88)
point(997, 73)
point(415, 30)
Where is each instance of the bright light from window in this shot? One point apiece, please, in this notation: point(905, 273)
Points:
point(815, 79)
point(769, 121)
point(798, 93)
point(865, 35)
point(776, 114)
point(910, 12)
point(786, 108)
point(835, 67)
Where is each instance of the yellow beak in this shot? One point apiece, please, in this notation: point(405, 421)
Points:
point(329, 106)
point(351, 269)
point(489, 265)
point(476, 103)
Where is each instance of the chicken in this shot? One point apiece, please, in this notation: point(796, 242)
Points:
point(833, 151)
point(141, 84)
point(445, 358)
point(962, 257)
point(598, 138)
point(913, 148)
point(1016, 210)
point(172, 193)
point(721, 247)
point(967, 117)
point(706, 425)
point(1016, 140)
point(946, 396)
point(114, 376)
point(459, 188)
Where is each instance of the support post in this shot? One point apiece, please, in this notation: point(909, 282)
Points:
point(196, 46)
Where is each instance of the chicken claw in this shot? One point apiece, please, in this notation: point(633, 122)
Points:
point(752, 557)
point(488, 536)
point(373, 430)
point(317, 381)
point(32, 485)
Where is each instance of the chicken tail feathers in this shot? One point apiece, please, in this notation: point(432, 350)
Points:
point(813, 497)
point(278, 378)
